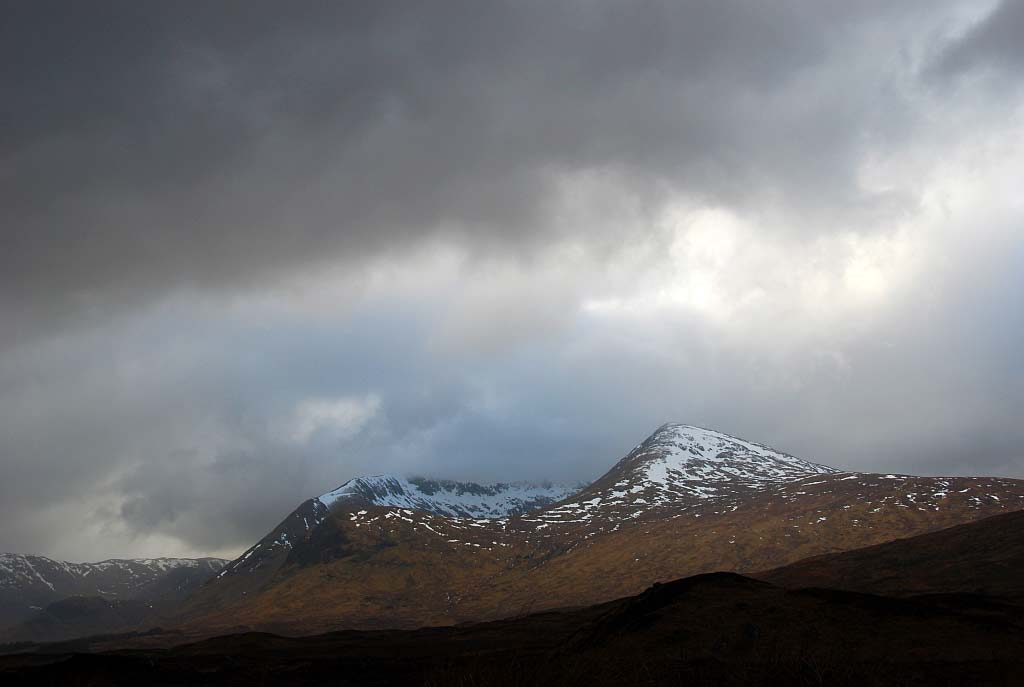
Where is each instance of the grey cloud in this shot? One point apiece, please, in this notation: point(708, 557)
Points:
point(923, 390)
point(993, 43)
point(149, 146)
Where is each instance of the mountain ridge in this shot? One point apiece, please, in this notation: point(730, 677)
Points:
point(685, 501)
point(449, 497)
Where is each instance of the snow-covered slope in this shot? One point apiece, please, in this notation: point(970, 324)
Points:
point(692, 459)
point(444, 497)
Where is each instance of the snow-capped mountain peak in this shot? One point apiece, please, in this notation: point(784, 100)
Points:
point(682, 466)
point(445, 497)
point(678, 453)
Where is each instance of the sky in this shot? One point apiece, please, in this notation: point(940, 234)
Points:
point(251, 250)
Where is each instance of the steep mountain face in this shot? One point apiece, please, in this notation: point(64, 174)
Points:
point(685, 501)
point(30, 583)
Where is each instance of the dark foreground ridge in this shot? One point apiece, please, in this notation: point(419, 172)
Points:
point(712, 629)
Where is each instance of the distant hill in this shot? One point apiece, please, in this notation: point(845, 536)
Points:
point(28, 584)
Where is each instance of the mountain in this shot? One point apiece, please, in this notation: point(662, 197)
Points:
point(712, 629)
point(377, 554)
point(30, 583)
point(303, 539)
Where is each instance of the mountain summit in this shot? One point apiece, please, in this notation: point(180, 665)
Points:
point(683, 466)
point(691, 459)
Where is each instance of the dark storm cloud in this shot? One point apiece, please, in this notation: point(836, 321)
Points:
point(149, 145)
point(219, 297)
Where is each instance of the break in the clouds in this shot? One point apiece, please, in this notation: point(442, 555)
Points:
point(252, 250)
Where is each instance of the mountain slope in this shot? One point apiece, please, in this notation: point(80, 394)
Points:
point(29, 583)
point(816, 515)
point(984, 557)
point(685, 501)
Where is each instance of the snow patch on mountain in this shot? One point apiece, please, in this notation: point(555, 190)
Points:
point(444, 497)
point(416, 497)
point(18, 570)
